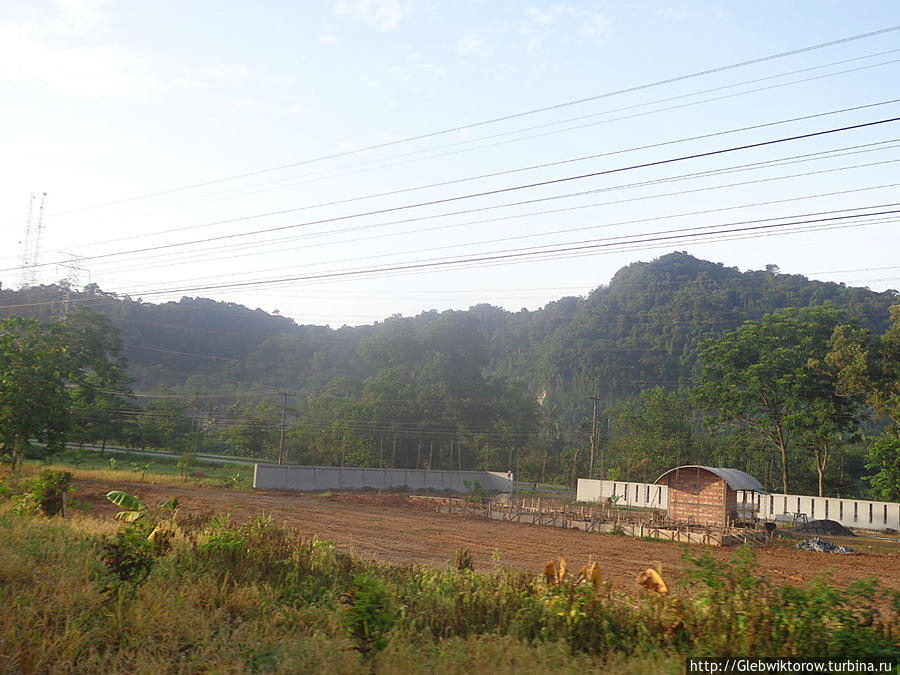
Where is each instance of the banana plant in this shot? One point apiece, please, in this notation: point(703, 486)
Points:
point(135, 509)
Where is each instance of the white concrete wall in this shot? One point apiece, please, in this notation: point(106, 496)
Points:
point(855, 513)
point(858, 513)
point(646, 495)
point(314, 478)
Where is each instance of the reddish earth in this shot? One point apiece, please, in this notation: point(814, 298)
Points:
point(390, 529)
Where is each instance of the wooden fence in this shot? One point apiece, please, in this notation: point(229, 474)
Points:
point(651, 523)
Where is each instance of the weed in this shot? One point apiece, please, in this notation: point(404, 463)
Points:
point(475, 491)
point(464, 560)
point(237, 481)
point(130, 555)
point(185, 463)
point(368, 615)
point(227, 542)
point(143, 469)
point(238, 597)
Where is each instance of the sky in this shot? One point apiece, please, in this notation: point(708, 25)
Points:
point(343, 161)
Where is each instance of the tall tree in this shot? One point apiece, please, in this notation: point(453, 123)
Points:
point(99, 383)
point(767, 376)
point(34, 403)
point(871, 368)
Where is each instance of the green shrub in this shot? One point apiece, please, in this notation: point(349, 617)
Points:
point(738, 611)
point(219, 539)
point(47, 490)
point(368, 614)
point(129, 556)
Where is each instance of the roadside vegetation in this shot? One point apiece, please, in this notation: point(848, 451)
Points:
point(162, 592)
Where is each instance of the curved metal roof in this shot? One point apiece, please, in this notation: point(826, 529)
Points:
point(737, 480)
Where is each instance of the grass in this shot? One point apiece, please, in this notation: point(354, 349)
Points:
point(90, 465)
point(253, 597)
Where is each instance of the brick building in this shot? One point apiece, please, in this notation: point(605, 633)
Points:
point(706, 495)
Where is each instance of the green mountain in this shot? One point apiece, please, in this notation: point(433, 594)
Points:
point(641, 330)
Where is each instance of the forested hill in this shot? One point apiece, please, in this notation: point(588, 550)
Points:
point(645, 327)
point(640, 330)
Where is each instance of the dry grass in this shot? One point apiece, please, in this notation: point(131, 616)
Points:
point(127, 476)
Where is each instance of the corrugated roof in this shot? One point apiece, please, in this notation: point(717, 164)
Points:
point(737, 480)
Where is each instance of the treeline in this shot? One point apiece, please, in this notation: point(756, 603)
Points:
point(487, 388)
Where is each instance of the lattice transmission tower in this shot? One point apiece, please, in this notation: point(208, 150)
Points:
point(31, 249)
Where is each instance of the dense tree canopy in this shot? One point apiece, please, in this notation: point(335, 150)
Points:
point(869, 367)
point(770, 377)
point(60, 379)
point(34, 369)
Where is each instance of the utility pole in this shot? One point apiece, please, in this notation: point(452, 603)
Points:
point(284, 395)
point(595, 399)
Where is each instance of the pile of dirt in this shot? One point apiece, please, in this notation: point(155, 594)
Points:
point(828, 528)
point(822, 546)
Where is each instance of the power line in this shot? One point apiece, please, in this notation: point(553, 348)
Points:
point(341, 170)
point(505, 118)
point(497, 174)
point(481, 259)
point(193, 256)
point(455, 262)
point(514, 188)
point(204, 255)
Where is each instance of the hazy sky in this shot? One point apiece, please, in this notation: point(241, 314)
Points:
point(331, 159)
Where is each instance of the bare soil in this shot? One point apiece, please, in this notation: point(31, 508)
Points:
point(392, 529)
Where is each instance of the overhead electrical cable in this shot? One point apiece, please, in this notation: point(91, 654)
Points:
point(204, 255)
point(497, 174)
point(505, 118)
point(675, 236)
point(340, 172)
point(619, 247)
point(514, 188)
point(419, 156)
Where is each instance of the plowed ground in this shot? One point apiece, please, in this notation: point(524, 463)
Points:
point(391, 529)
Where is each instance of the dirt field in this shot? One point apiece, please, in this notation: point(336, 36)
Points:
point(389, 529)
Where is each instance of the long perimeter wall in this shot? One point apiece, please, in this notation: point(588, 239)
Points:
point(858, 513)
point(623, 493)
point(314, 478)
